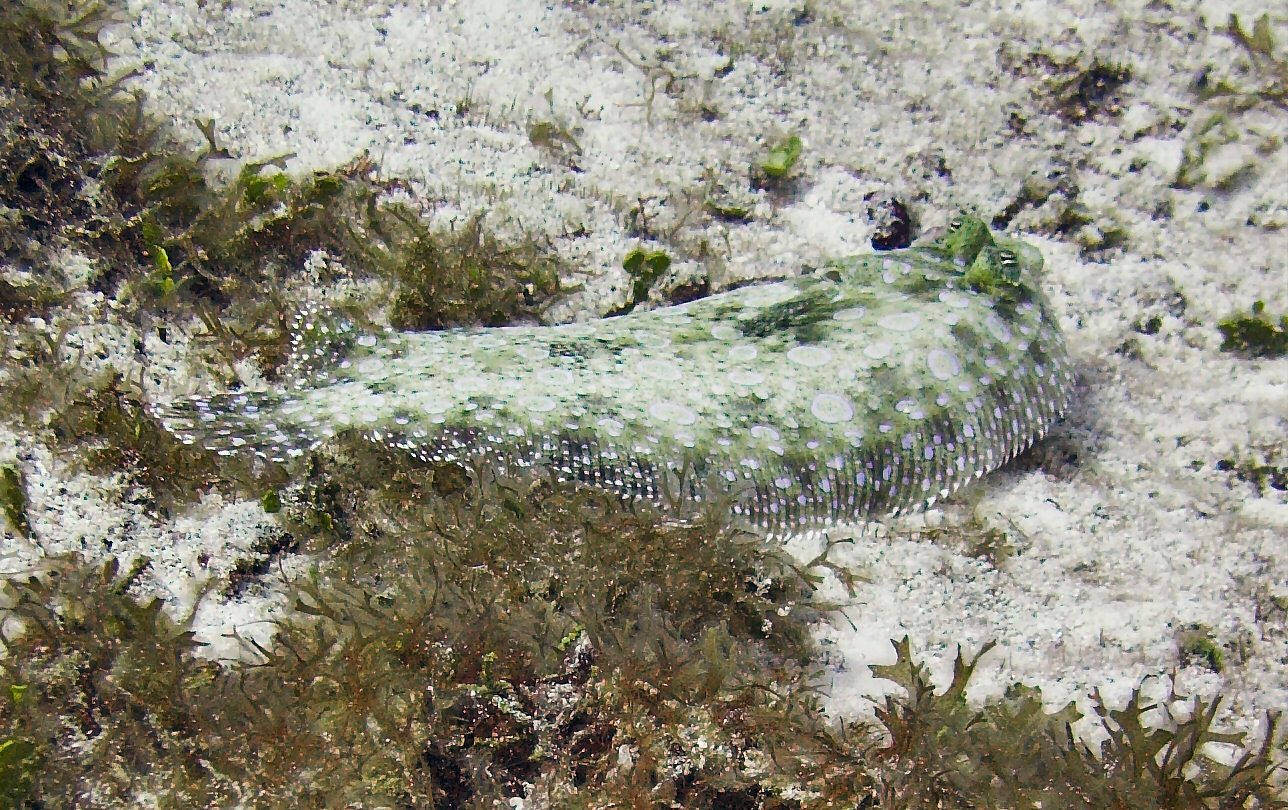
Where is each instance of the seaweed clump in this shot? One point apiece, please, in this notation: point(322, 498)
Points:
point(1011, 752)
point(466, 277)
point(1254, 78)
point(13, 500)
point(1071, 88)
point(526, 639)
point(48, 50)
point(99, 668)
point(463, 649)
point(182, 231)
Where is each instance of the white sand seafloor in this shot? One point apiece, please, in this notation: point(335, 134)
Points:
point(1124, 530)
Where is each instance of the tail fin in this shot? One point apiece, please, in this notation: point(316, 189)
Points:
point(262, 422)
point(234, 423)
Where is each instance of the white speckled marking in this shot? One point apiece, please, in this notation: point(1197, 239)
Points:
point(831, 408)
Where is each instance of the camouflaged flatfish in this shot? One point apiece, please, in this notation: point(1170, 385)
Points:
point(872, 385)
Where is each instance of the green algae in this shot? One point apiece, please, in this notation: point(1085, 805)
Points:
point(1255, 76)
point(13, 500)
point(532, 638)
point(644, 267)
point(780, 159)
point(1265, 468)
point(1257, 334)
point(469, 276)
point(1198, 645)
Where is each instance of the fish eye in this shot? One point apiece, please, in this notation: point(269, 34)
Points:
point(1007, 257)
point(956, 223)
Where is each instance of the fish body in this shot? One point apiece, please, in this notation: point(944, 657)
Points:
point(875, 384)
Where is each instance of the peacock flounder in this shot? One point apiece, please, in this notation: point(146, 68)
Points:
point(875, 384)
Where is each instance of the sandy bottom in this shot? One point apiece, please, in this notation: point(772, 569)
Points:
point(1076, 120)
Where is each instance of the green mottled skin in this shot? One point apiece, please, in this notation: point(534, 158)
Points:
point(874, 384)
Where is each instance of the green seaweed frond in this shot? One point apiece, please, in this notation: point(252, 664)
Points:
point(1012, 752)
point(775, 167)
point(19, 764)
point(1198, 645)
point(110, 681)
point(644, 267)
point(18, 768)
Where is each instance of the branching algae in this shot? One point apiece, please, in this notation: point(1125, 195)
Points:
point(876, 384)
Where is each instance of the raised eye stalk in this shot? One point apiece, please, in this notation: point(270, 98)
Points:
point(990, 268)
point(966, 237)
point(996, 271)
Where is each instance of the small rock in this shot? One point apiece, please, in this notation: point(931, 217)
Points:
point(892, 227)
